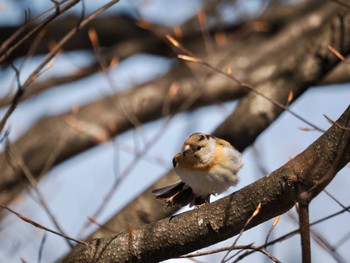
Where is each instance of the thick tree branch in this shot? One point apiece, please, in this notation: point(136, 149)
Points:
point(340, 75)
point(297, 70)
point(102, 120)
point(139, 40)
point(220, 220)
point(128, 34)
point(233, 128)
point(144, 104)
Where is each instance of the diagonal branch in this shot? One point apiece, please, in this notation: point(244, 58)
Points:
point(198, 228)
point(107, 115)
point(47, 60)
point(216, 89)
point(247, 121)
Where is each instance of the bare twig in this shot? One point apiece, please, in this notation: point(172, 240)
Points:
point(35, 224)
point(334, 199)
point(230, 248)
point(94, 221)
point(15, 160)
point(190, 57)
point(10, 97)
point(326, 245)
point(32, 77)
point(202, 20)
point(7, 49)
point(335, 123)
point(256, 212)
point(275, 222)
point(106, 71)
point(297, 231)
point(41, 248)
point(50, 82)
point(338, 54)
point(127, 172)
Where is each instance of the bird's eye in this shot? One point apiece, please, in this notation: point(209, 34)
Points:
point(198, 147)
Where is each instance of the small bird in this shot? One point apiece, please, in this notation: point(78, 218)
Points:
point(206, 165)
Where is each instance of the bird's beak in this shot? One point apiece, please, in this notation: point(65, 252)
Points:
point(176, 159)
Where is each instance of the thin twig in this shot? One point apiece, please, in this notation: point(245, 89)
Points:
point(275, 222)
point(15, 160)
point(31, 51)
point(35, 224)
point(297, 231)
point(202, 20)
point(41, 248)
point(338, 54)
point(126, 172)
point(190, 57)
point(106, 71)
point(32, 77)
point(335, 123)
point(230, 248)
point(255, 213)
point(101, 226)
point(7, 48)
point(133, 119)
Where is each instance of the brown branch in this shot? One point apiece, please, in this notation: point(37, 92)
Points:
point(339, 75)
point(296, 231)
point(226, 217)
point(255, 213)
point(51, 82)
point(305, 232)
point(294, 74)
point(145, 102)
point(319, 239)
point(104, 114)
point(6, 48)
point(241, 131)
point(145, 208)
point(250, 88)
point(217, 89)
point(275, 18)
point(140, 40)
point(48, 58)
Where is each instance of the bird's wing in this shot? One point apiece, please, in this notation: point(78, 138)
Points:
point(179, 194)
point(169, 190)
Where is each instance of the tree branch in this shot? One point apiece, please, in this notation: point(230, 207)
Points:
point(297, 70)
point(241, 130)
point(276, 20)
point(109, 116)
point(226, 217)
point(304, 223)
point(189, 96)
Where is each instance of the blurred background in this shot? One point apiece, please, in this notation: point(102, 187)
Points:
point(130, 54)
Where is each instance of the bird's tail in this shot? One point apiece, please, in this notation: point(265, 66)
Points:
point(179, 194)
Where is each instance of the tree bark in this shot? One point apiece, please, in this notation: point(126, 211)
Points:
point(246, 123)
point(215, 222)
point(111, 116)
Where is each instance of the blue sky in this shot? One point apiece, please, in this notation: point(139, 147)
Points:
point(72, 202)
